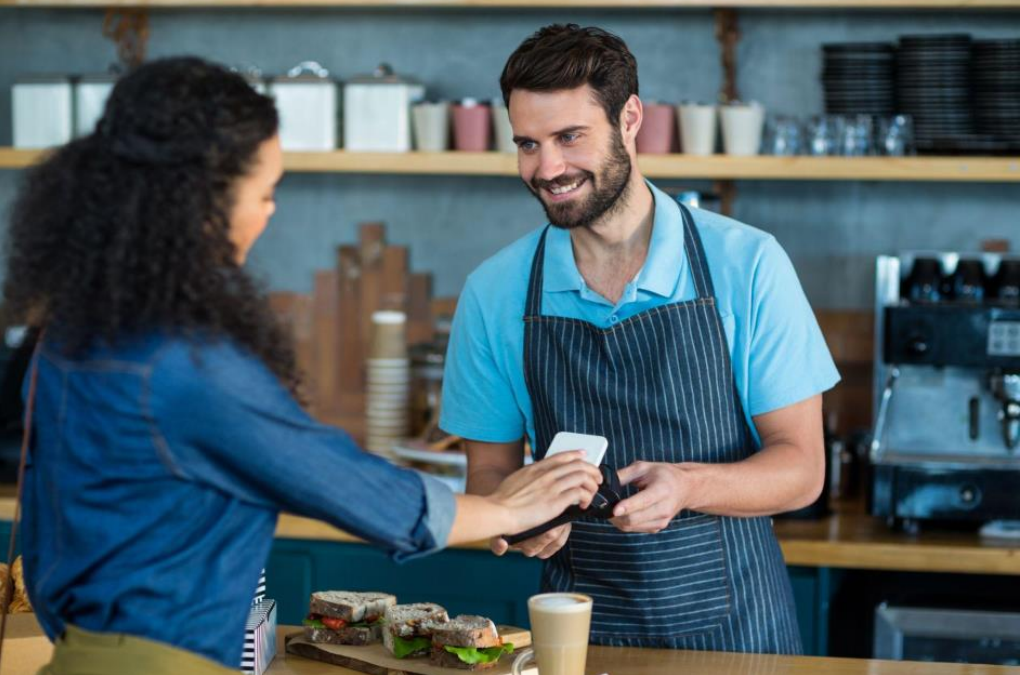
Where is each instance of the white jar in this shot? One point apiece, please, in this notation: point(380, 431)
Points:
point(308, 101)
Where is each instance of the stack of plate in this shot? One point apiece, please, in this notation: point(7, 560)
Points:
point(933, 85)
point(995, 67)
point(387, 403)
point(858, 78)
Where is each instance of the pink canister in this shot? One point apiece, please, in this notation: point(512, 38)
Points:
point(472, 126)
point(658, 130)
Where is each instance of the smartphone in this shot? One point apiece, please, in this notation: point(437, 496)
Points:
point(594, 446)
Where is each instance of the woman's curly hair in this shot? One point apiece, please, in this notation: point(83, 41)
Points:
point(127, 230)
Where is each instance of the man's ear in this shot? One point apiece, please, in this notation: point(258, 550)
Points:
point(631, 117)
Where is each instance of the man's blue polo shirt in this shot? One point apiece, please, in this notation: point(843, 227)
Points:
point(778, 353)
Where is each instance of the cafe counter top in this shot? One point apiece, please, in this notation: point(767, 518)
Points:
point(629, 661)
point(848, 538)
point(28, 650)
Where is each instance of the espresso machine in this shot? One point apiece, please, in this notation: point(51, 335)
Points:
point(946, 436)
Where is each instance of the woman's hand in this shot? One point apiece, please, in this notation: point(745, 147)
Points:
point(543, 546)
point(538, 493)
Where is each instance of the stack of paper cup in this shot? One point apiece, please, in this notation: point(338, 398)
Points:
point(389, 384)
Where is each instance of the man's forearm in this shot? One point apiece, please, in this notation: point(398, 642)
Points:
point(485, 481)
point(489, 464)
point(773, 480)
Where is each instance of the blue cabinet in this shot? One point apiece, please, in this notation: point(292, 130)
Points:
point(462, 580)
point(469, 581)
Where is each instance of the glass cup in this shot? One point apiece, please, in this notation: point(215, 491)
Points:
point(824, 133)
point(560, 623)
point(857, 134)
point(896, 136)
point(783, 136)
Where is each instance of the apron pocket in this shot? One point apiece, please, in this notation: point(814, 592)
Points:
point(669, 584)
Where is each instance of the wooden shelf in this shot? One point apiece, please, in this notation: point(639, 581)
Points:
point(716, 167)
point(531, 4)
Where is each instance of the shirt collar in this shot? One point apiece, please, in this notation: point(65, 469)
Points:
point(662, 268)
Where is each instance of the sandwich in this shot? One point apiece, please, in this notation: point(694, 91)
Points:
point(346, 618)
point(468, 642)
point(408, 628)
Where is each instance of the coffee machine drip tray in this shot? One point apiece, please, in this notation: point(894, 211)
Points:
point(950, 492)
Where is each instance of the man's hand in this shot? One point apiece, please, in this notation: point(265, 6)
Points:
point(543, 546)
point(661, 496)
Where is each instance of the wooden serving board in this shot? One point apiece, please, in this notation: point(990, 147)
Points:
point(376, 660)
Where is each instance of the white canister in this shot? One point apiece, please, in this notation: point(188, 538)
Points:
point(42, 111)
point(742, 126)
point(308, 101)
point(697, 126)
point(377, 111)
point(90, 94)
point(254, 77)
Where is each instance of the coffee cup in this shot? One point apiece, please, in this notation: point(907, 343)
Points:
point(431, 123)
point(560, 623)
point(658, 130)
point(742, 126)
point(472, 126)
point(389, 335)
point(504, 132)
point(697, 123)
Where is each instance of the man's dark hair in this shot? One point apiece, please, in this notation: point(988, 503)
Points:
point(569, 56)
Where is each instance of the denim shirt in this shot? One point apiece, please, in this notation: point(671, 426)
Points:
point(155, 477)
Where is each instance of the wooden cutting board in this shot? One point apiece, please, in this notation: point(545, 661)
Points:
point(376, 660)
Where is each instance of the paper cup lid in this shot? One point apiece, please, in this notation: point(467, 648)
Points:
point(389, 317)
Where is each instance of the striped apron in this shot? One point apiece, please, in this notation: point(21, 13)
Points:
point(660, 387)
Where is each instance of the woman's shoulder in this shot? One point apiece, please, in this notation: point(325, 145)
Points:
point(207, 360)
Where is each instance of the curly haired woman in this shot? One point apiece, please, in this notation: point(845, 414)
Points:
point(166, 436)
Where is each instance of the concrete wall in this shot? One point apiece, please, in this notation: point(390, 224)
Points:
point(832, 230)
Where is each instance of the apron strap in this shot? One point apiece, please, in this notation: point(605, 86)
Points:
point(696, 256)
point(533, 306)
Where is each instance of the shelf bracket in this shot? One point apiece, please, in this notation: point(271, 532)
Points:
point(727, 34)
point(128, 28)
point(727, 191)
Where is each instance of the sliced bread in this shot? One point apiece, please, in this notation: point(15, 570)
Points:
point(345, 636)
point(350, 606)
point(412, 621)
point(467, 630)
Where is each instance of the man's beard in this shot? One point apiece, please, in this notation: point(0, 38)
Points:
point(607, 190)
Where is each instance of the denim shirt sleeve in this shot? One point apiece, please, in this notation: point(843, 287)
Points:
point(223, 419)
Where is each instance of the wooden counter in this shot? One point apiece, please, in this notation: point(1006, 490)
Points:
point(858, 541)
point(27, 650)
point(661, 661)
point(849, 539)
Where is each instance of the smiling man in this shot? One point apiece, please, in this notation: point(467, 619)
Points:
point(682, 336)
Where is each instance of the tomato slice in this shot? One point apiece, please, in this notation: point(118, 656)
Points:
point(333, 624)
